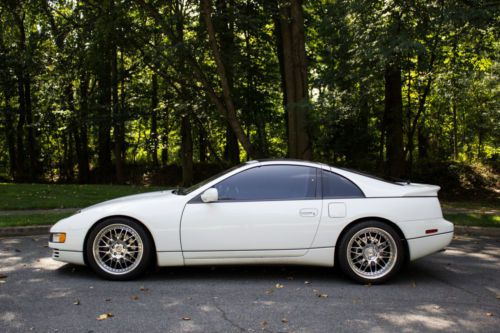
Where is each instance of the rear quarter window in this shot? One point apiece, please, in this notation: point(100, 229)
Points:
point(337, 186)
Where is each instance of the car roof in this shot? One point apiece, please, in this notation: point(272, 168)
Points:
point(288, 161)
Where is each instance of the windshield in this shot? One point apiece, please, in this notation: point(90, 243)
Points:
point(187, 190)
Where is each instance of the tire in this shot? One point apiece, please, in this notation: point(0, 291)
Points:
point(371, 252)
point(118, 249)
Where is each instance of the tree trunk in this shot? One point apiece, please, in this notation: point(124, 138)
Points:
point(295, 70)
point(455, 130)
point(394, 121)
point(10, 135)
point(230, 109)
point(186, 151)
point(154, 120)
point(104, 77)
point(227, 47)
point(279, 51)
point(34, 170)
point(164, 137)
point(72, 134)
point(81, 142)
point(202, 146)
point(104, 119)
point(423, 143)
point(20, 173)
point(118, 123)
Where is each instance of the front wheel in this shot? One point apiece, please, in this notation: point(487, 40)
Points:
point(371, 252)
point(118, 249)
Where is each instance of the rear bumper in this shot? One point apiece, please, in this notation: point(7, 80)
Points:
point(425, 245)
point(72, 257)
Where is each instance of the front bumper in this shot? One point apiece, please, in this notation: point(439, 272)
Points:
point(72, 257)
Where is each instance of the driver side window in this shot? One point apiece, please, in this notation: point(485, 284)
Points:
point(271, 182)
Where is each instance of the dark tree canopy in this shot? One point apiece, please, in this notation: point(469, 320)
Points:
point(172, 91)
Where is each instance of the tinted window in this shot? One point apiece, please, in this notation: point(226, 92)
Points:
point(273, 182)
point(336, 186)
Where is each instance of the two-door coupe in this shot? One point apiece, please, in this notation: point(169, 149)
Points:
point(262, 212)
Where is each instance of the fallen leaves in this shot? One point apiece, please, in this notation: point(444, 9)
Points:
point(76, 302)
point(105, 316)
point(135, 298)
point(142, 288)
point(186, 318)
point(284, 321)
point(489, 314)
point(269, 291)
point(319, 294)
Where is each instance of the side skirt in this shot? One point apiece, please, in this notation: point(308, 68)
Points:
point(314, 257)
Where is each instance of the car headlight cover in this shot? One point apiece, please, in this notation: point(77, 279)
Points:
point(58, 237)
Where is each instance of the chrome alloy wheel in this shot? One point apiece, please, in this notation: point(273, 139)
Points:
point(372, 253)
point(118, 249)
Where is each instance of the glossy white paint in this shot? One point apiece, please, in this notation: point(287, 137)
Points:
point(288, 232)
point(240, 226)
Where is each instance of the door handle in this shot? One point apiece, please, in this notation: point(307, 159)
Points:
point(308, 212)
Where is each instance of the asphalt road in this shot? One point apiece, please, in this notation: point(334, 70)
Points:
point(454, 291)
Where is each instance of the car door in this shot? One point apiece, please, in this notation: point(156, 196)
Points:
point(265, 211)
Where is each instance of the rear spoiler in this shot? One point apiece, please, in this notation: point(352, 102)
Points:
point(420, 190)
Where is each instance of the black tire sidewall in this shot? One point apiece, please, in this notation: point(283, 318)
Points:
point(344, 242)
point(146, 256)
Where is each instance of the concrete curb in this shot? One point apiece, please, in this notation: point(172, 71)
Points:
point(44, 230)
point(25, 231)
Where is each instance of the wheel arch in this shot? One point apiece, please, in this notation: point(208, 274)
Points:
point(393, 225)
point(146, 229)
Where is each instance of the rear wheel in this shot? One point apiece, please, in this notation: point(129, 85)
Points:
point(119, 249)
point(371, 252)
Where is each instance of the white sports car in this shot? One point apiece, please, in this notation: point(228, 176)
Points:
point(262, 212)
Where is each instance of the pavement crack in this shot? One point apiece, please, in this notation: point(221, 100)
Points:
point(225, 317)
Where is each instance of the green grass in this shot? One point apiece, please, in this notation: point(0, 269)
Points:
point(479, 220)
point(52, 217)
point(472, 205)
point(48, 196)
point(31, 219)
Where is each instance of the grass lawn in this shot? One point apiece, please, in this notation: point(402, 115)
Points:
point(47, 196)
point(52, 217)
point(31, 219)
point(480, 220)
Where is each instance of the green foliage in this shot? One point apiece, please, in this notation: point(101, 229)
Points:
point(480, 220)
point(91, 66)
point(50, 196)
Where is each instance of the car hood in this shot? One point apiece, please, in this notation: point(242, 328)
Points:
point(132, 199)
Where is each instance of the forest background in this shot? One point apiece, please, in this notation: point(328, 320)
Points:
point(169, 92)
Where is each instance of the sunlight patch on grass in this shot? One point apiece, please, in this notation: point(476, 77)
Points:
point(479, 220)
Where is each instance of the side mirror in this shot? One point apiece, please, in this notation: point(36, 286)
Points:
point(210, 195)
